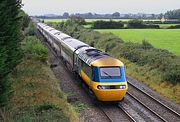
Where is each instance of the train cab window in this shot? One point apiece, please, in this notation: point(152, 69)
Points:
point(110, 72)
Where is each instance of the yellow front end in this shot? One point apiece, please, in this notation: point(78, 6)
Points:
point(108, 89)
point(109, 94)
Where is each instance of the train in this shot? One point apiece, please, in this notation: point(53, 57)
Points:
point(104, 75)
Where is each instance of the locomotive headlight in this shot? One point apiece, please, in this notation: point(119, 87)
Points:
point(122, 86)
point(111, 87)
point(102, 87)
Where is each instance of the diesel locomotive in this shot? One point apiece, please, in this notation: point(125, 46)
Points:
point(103, 74)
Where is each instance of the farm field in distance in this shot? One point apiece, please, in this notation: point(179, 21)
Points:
point(87, 20)
point(123, 20)
point(54, 20)
point(160, 38)
point(92, 20)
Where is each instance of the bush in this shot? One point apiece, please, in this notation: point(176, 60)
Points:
point(76, 20)
point(136, 23)
point(174, 27)
point(107, 25)
point(5, 88)
point(146, 45)
point(33, 48)
point(30, 30)
point(152, 26)
point(159, 22)
point(25, 19)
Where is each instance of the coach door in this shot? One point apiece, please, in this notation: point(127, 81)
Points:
point(59, 47)
point(79, 66)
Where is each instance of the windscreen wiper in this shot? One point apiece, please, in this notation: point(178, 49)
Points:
point(107, 74)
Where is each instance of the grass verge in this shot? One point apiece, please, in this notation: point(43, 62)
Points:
point(36, 95)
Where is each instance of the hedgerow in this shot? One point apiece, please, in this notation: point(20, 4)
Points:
point(107, 25)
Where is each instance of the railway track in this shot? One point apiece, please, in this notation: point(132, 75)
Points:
point(146, 107)
point(108, 117)
point(116, 114)
point(162, 111)
point(130, 117)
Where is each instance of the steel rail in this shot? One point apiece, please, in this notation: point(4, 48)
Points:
point(126, 113)
point(156, 100)
point(109, 118)
point(146, 107)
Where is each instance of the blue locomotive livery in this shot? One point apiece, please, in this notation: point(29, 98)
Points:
point(103, 74)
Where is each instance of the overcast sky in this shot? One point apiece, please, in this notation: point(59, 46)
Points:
point(40, 7)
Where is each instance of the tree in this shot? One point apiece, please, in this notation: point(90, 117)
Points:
point(160, 16)
point(76, 20)
point(10, 52)
point(174, 14)
point(65, 15)
point(116, 14)
point(25, 19)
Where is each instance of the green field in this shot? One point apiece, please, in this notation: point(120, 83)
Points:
point(160, 38)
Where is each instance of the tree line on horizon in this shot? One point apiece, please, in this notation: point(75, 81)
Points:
point(172, 14)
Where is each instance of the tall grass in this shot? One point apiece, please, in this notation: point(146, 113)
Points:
point(34, 49)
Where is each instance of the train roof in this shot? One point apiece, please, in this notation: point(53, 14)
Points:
point(88, 54)
point(91, 54)
point(56, 33)
point(74, 43)
point(107, 61)
point(64, 36)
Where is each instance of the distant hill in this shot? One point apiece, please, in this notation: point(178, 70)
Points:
point(51, 15)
